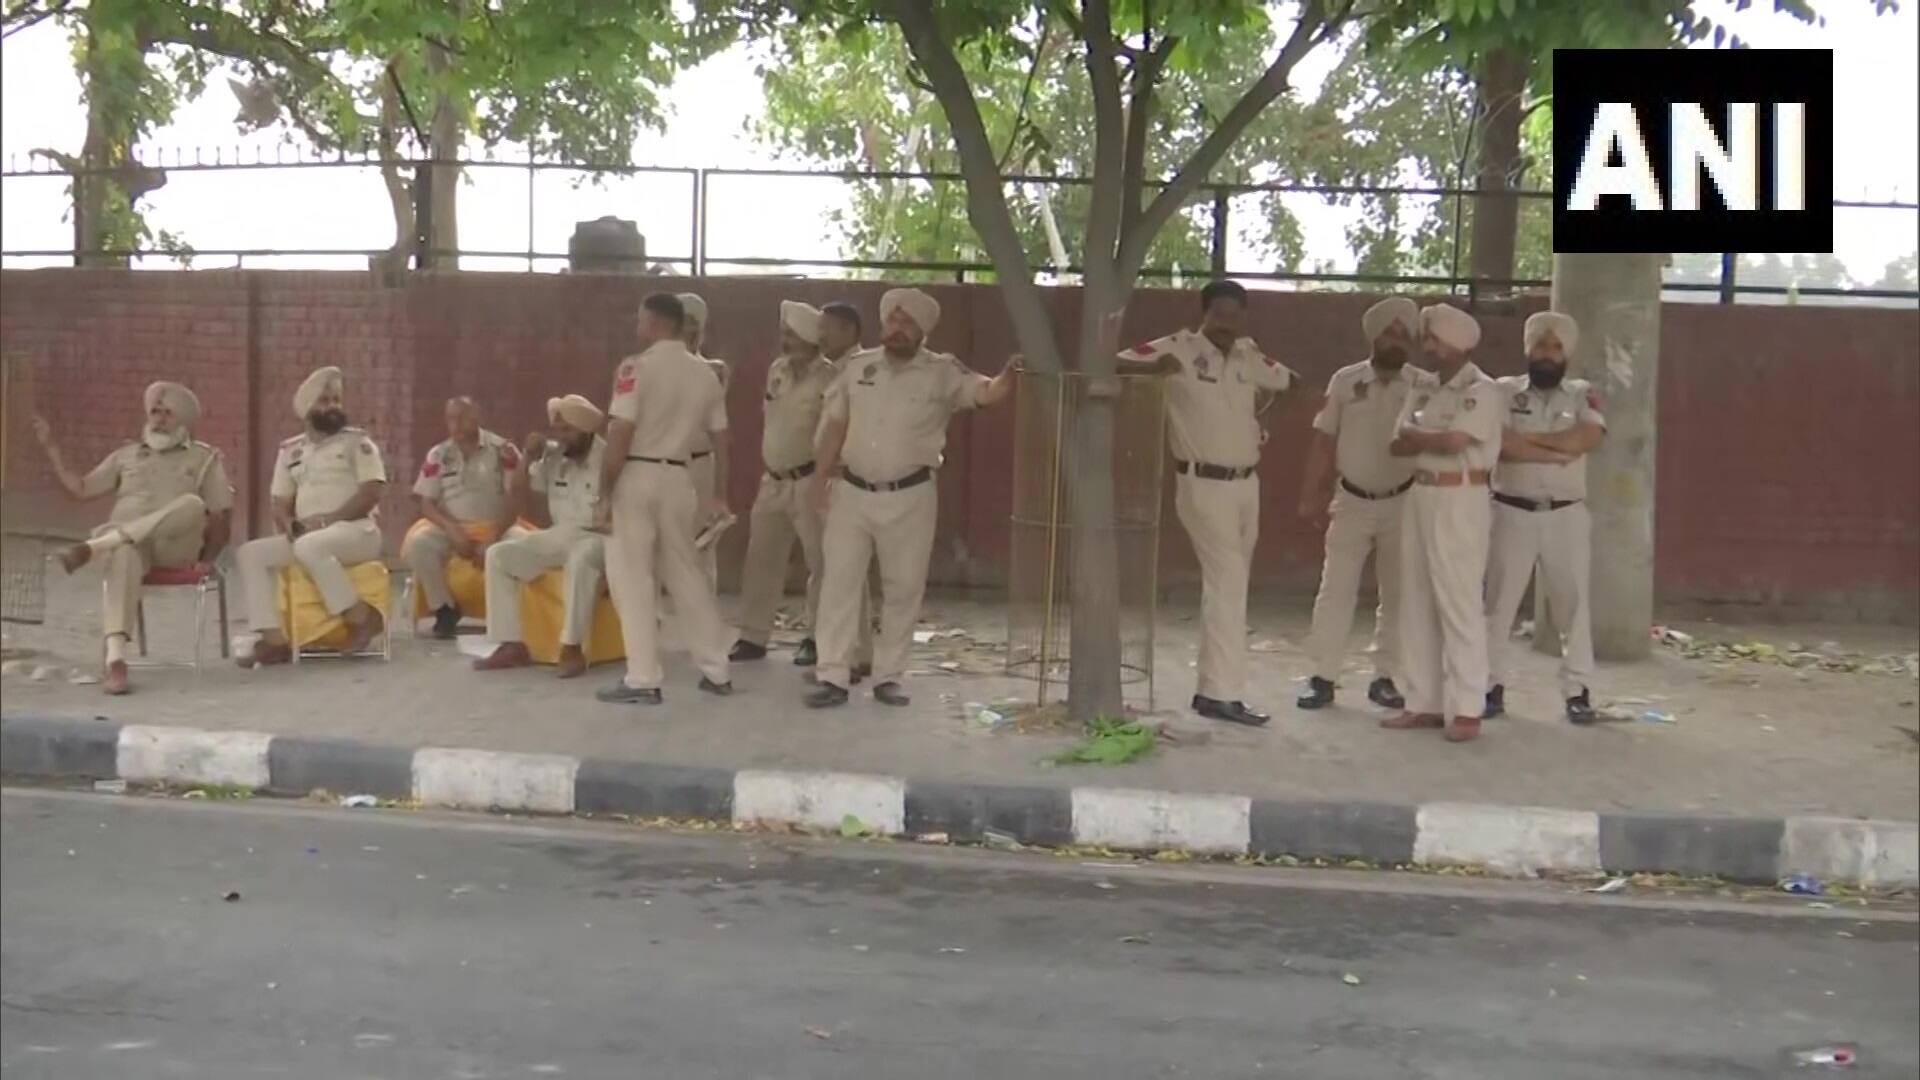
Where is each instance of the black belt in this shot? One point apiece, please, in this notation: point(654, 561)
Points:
point(913, 479)
point(1351, 490)
point(1533, 504)
point(793, 474)
point(698, 456)
point(1212, 472)
point(656, 460)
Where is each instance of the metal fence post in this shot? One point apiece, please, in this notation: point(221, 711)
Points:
point(1221, 205)
point(699, 222)
point(1729, 277)
point(423, 238)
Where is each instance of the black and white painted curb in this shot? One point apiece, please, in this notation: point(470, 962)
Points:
point(1503, 839)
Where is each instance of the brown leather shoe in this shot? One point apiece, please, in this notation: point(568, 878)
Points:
point(573, 663)
point(1463, 729)
point(1408, 721)
point(266, 653)
point(116, 681)
point(509, 654)
point(360, 635)
point(75, 557)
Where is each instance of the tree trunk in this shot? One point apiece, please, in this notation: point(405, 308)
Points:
point(93, 191)
point(1496, 212)
point(445, 133)
point(1616, 301)
point(1094, 678)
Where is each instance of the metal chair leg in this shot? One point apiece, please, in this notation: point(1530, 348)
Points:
point(140, 623)
point(226, 635)
point(199, 624)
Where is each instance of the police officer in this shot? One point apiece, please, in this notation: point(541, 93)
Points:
point(465, 488)
point(1451, 432)
point(566, 468)
point(797, 383)
point(707, 463)
point(1214, 434)
point(1350, 437)
point(1539, 510)
point(664, 400)
point(326, 488)
point(172, 507)
point(886, 418)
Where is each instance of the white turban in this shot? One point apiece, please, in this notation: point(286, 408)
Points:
point(1542, 323)
point(317, 383)
point(178, 399)
point(924, 310)
point(802, 319)
point(1394, 309)
point(695, 307)
point(575, 411)
point(1455, 328)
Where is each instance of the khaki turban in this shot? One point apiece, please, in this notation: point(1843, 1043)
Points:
point(1394, 309)
point(574, 411)
point(1455, 328)
point(178, 399)
point(1542, 323)
point(924, 310)
point(802, 319)
point(696, 308)
point(317, 383)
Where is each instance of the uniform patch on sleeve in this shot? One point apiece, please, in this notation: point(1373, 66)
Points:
point(430, 470)
point(1593, 400)
point(1145, 349)
point(509, 456)
point(366, 446)
point(625, 384)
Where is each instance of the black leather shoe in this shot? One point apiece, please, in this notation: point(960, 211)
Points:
point(1319, 694)
point(446, 622)
point(711, 687)
point(1580, 708)
point(747, 650)
point(1496, 703)
point(826, 696)
point(622, 694)
point(889, 693)
point(1383, 693)
point(806, 655)
point(1233, 712)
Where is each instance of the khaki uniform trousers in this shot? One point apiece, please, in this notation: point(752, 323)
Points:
point(324, 553)
point(1222, 519)
point(170, 536)
point(651, 547)
point(896, 528)
point(1443, 622)
point(513, 563)
point(1357, 528)
point(781, 514)
point(426, 554)
point(1558, 543)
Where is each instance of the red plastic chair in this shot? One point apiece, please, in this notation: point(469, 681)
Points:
point(202, 578)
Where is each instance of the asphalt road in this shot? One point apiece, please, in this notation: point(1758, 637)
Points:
point(391, 944)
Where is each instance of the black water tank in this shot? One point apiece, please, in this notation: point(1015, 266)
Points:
point(607, 245)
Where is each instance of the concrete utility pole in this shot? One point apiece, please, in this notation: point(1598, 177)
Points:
point(1616, 301)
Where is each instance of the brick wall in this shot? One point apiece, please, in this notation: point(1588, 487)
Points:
point(1788, 471)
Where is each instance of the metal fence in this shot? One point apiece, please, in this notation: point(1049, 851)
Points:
point(698, 257)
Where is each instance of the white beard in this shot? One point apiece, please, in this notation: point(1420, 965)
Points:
point(162, 441)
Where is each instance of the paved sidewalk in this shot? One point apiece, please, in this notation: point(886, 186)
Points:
point(1748, 738)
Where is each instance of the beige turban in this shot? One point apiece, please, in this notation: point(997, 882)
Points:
point(575, 411)
point(696, 308)
point(802, 319)
point(1455, 328)
point(1541, 323)
point(924, 310)
point(317, 383)
point(178, 399)
point(1394, 309)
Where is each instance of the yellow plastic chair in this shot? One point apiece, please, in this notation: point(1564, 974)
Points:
point(313, 630)
point(543, 608)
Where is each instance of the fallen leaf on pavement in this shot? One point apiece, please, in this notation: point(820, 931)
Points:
point(820, 1033)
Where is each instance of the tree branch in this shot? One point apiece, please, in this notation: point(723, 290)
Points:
point(1315, 26)
point(1104, 207)
point(26, 16)
point(1026, 90)
point(986, 197)
point(1146, 74)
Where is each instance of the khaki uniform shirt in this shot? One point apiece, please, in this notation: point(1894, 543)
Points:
point(1537, 412)
point(571, 487)
point(1210, 403)
point(1471, 402)
point(897, 413)
point(321, 473)
point(793, 406)
point(143, 479)
point(469, 487)
point(1361, 411)
point(703, 444)
point(672, 400)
